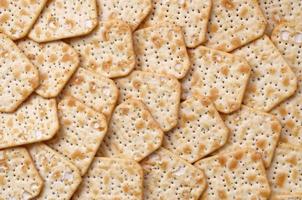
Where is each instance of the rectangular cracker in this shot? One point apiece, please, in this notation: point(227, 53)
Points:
point(161, 49)
point(235, 174)
point(218, 75)
point(18, 16)
point(253, 129)
point(234, 23)
point(36, 120)
point(19, 177)
point(56, 62)
point(131, 11)
point(132, 132)
point(82, 130)
point(64, 19)
point(167, 176)
point(160, 93)
point(200, 130)
point(97, 92)
point(108, 50)
point(191, 15)
point(61, 178)
point(272, 80)
point(112, 178)
point(19, 78)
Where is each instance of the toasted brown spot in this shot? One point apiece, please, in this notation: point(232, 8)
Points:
point(140, 124)
point(56, 175)
point(4, 18)
point(244, 69)
point(2, 180)
point(222, 194)
point(28, 68)
point(290, 124)
point(238, 155)
point(272, 71)
point(292, 160)
point(222, 160)
point(53, 58)
point(92, 87)
point(233, 164)
point(280, 179)
point(107, 65)
point(213, 28)
point(282, 111)
point(157, 41)
point(261, 143)
point(285, 81)
point(10, 123)
point(228, 4)
point(243, 12)
point(126, 188)
point(106, 180)
point(3, 3)
point(256, 156)
point(71, 103)
point(67, 58)
point(214, 94)
point(236, 42)
point(187, 149)
point(251, 178)
point(225, 70)
point(276, 127)
point(78, 80)
point(205, 102)
point(77, 155)
point(136, 84)
point(70, 23)
point(124, 110)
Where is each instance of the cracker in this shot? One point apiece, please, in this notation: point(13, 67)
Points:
point(252, 129)
point(64, 19)
point(272, 80)
point(36, 120)
point(112, 178)
point(161, 49)
point(97, 92)
point(286, 197)
point(285, 175)
point(56, 62)
point(82, 130)
point(132, 11)
point(132, 132)
point(19, 177)
point(200, 130)
point(234, 23)
point(18, 16)
point(288, 38)
point(108, 50)
point(19, 78)
point(61, 178)
point(235, 174)
point(220, 76)
point(167, 176)
point(160, 93)
point(191, 15)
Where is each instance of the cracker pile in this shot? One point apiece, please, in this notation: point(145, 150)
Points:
point(150, 99)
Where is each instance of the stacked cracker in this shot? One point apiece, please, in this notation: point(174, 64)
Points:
point(150, 99)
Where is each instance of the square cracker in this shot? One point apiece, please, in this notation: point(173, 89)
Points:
point(285, 175)
point(19, 177)
point(18, 16)
point(167, 176)
point(112, 178)
point(132, 132)
point(131, 11)
point(191, 15)
point(160, 93)
point(218, 75)
point(19, 78)
point(161, 49)
point(288, 38)
point(108, 50)
point(235, 174)
point(200, 130)
point(35, 120)
point(272, 80)
point(97, 92)
point(81, 132)
point(64, 19)
point(56, 62)
point(253, 129)
point(61, 178)
point(234, 23)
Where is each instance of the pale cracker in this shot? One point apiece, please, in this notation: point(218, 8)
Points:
point(200, 130)
point(132, 132)
point(288, 39)
point(19, 177)
point(35, 120)
point(286, 197)
point(218, 75)
point(19, 78)
point(234, 23)
point(160, 93)
point(131, 11)
point(97, 92)
point(285, 173)
point(64, 19)
point(253, 129)
point(235, 174)
point(161, 49)
point(191, 15)
point(167, 176)
point(272, 80)
point(18, 16)
point(56, 62)
point(112, 178)
point(61, 178)
point(108, 50)
point(82, 130)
